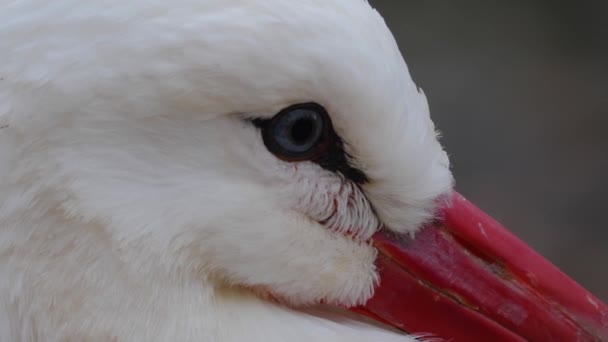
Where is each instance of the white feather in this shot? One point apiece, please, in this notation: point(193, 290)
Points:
point(137, 203)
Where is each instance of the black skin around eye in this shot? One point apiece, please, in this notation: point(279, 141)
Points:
point(330, 155)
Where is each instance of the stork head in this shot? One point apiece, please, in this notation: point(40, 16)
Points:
point(262, 143)
point(258, 144)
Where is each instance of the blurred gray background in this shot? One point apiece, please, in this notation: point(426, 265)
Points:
point(520, 91)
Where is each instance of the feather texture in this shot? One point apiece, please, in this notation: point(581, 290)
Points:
point(139, 203)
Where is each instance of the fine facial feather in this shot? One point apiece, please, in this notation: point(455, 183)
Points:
point(135, 191)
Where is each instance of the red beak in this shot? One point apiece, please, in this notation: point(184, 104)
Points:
point(467, 278)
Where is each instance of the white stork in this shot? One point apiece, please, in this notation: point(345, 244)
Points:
point(242, 170)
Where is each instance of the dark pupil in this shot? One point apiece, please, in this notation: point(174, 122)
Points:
point(295, 133)
point(302, 130)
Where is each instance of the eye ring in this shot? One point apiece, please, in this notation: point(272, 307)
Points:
point(299, 132)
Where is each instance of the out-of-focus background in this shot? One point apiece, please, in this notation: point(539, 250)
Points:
point(520, 91)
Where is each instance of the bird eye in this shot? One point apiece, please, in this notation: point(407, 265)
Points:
point(305, 132)
point(297, 132)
